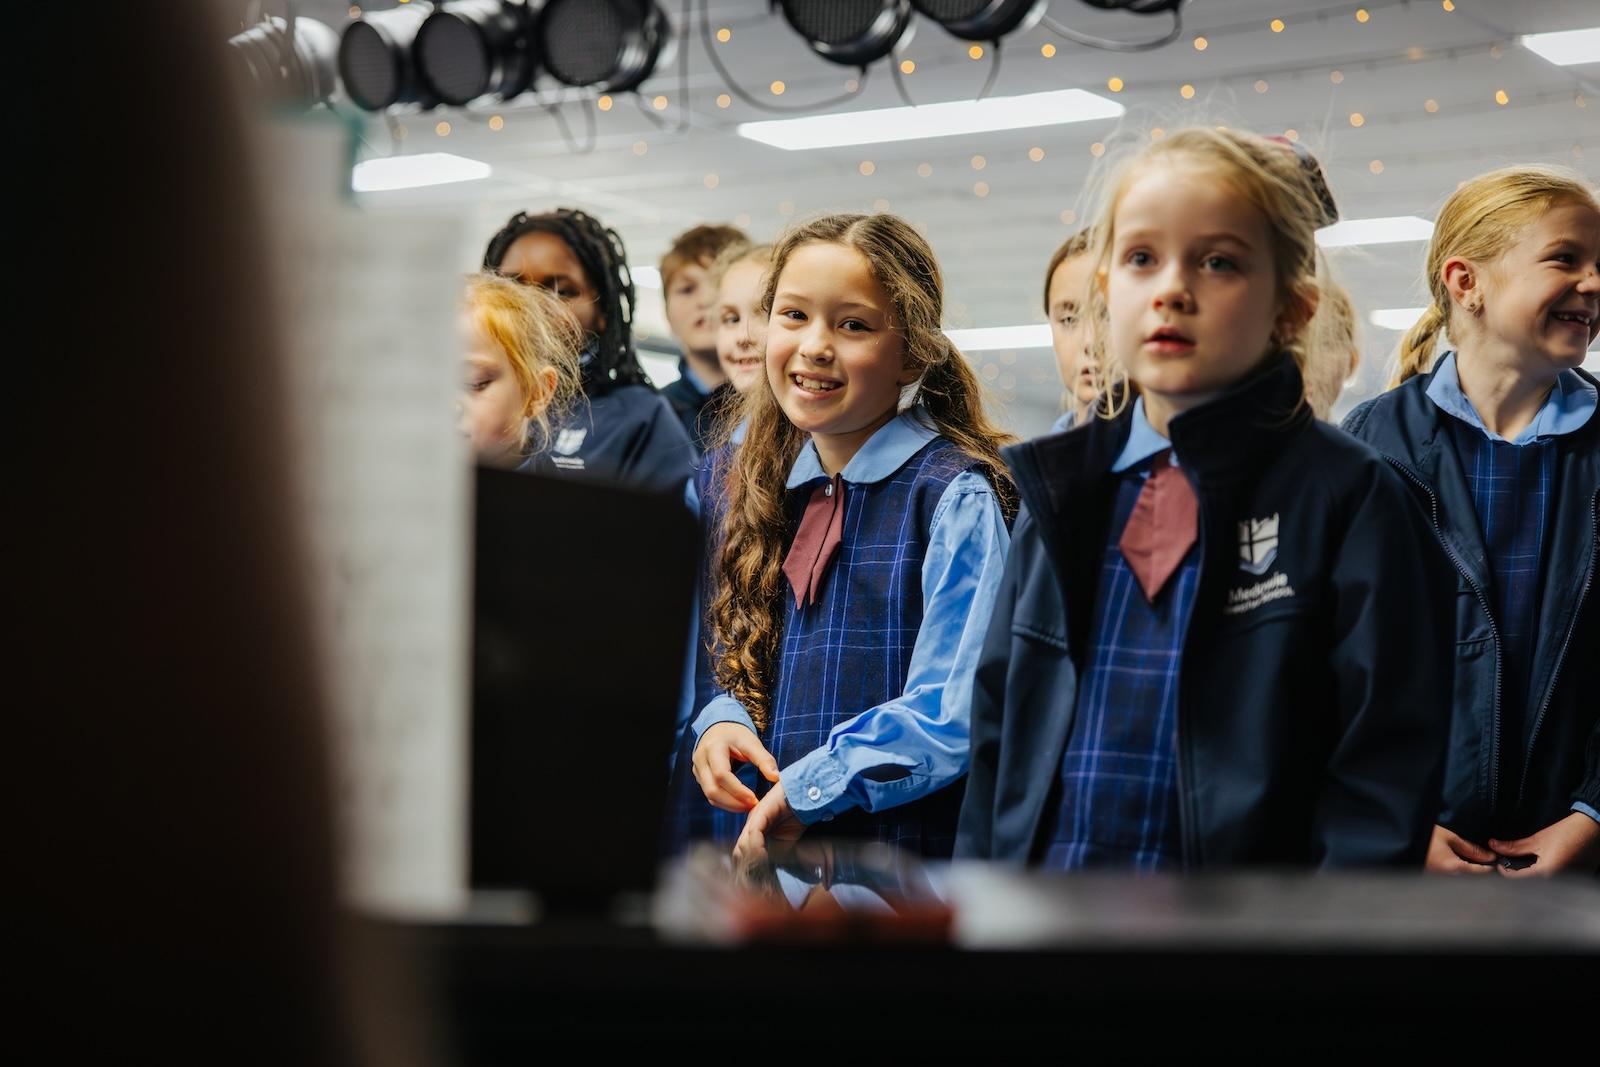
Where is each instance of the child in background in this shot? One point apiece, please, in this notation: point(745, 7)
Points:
point(1333, 343)
point(741, 323)
point(736, 277)
point(520, 369)
point(861, 535)
point(1215, 643)
point(624, 433)
point(1066, 291)
point(1501, 441)
point(689, 290)
point(741, 326)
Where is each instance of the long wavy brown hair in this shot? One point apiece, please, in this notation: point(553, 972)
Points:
point(747, 608)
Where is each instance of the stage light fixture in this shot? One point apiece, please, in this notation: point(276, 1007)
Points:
point(472, 48)
point(294, 66)
point(852, 33)
point(608, 44)
point(377, 62)
point(982, 20)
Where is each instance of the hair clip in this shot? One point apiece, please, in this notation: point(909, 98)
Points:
point(1313, 171)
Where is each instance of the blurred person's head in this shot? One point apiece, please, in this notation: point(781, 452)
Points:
point(519, 366)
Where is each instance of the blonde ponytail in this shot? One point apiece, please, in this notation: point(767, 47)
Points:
point(1416, 349)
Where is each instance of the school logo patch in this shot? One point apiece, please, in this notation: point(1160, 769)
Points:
point(569, 441)
point(1258, 544)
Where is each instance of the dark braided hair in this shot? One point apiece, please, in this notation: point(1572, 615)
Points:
point(604, 259)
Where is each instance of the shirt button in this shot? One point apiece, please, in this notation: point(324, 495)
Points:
point(813, 794)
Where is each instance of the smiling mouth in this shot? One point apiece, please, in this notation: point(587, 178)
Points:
point(814, 385)
point(1576, 318)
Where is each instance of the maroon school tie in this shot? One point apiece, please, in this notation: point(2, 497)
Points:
point(817, 541)
point(1162, 526)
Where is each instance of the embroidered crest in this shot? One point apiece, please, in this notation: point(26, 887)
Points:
point(1258, 544)
point(569, 441)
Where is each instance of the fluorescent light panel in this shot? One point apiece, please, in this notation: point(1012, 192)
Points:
point(1396, 318)
point(932, 120)
point(414, 172)
point(1566, 48)
point(1035, 335)
point(1375, 231)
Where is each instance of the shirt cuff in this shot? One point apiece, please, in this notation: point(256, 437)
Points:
point(722, 708)
point(815, 786)
point(1586, 809)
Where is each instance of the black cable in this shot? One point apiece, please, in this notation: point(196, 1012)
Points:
point(761, 105)
point(994, 71)
point(554, 111)
point(1114, 46)
point(900, 83)
point(644, 109)
point(683, 67)
point(396, 138)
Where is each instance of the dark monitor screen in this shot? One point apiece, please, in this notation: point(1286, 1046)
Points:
point(582, 600)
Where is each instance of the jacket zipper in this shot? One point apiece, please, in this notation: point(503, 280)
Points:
point(1186, 827)
point(1561, 658)
point(1494, 631)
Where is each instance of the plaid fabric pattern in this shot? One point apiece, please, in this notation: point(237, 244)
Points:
point(851, 649)
point(1511, 487)
point(1117, 789)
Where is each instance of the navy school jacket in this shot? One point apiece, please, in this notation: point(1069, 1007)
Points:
point(1562, 761)
point(1314, 694)
point(624, 435)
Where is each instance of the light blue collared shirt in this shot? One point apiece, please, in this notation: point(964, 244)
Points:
point(1569, 406)
point(1143, 442)
point(687, 372)
point(926, 730)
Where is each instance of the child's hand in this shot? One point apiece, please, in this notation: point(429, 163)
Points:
point(1449, 853)
point(771, 820)
point(1570, 844)
point(719, 746)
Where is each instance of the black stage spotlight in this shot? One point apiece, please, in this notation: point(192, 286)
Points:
point(376, 60)
point(301, 71)
point(983, 20)
point(470, 48)
point(610, 44)
point(850, 32)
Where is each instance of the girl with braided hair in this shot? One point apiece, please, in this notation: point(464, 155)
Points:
point(622, 432)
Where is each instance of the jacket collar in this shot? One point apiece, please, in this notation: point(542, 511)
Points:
point(1231, 438)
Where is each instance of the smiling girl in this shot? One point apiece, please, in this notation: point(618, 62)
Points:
point(1501, 442)
point(861, 532)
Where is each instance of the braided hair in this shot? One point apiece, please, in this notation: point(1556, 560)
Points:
point(604, 259)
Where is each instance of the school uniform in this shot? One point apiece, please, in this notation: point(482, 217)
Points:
point(622, 434)
point(1516, 523)
point(1279, 700)
point(696, 403)
point(868, 718)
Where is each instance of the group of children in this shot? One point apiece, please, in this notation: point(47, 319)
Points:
point(1195, 625)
